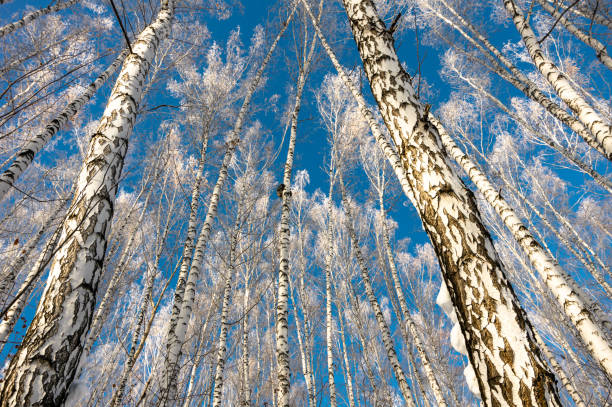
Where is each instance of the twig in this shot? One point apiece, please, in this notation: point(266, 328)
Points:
point(121, 25)
point(555, 23)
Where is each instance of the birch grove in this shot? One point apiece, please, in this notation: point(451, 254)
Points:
point(305, 203)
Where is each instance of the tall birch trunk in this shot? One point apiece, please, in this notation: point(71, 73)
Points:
point(382, 324)
point(222, 342)
point(565, 290)
point(282, 308)
point(517, 78)
point(600, 49)
point(329, 256)
point(505, 347)
point(60, 325)
point(25, 157)
point(9, 28)
point(178, 323)
point(587, 115)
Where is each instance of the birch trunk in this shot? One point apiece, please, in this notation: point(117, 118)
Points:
point(59, 328)
point(328, 297)
point(14, 311)
point(9, 28)
point(569, 155)
point(222, 344)
point(178, 329)
point(405, 312)
point(382, 324)
point(518, 79)
point(466, 253)
point(25, 157)
point(347, 366)
point(600, 49)
point(565, 290)
point(282, 309)
point(304, 354)
point(587, 115)
point(9, 276)
point(565, 381)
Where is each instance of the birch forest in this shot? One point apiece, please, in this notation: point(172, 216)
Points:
point(305, 203)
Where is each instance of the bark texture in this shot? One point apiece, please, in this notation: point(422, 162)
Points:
point(25, 157)
point(499, 338)
point(45, 365)
point(566, 291)
point(9, 28)
point(587, 115)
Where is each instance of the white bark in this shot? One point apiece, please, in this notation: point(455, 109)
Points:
point(222, 342)
point(466, 253)
point(409, 324)
point(587, 115)
point(329, 256)
point(59, 328)
point(26, 155)
point(176, 336)
point(600, 49)
point(9, 28)
point(282, 308)
point(565, 290)
point(382, 324)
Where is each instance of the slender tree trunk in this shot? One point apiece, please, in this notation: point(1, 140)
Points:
point(567, 293)
point(600, 49)
point(12, 316)
point(518, 79)
point(587, 115)
point(469, 262)
point(304, 354)
point(409, 324)
point(177, 330)
point(382, 324)
point(8, 278)
point(26, 155)
point(245, 392)
point(282, 314)
point(329, 256)
point(347, 366)
point(222, 343)
point(9, 28)
point(60, 325)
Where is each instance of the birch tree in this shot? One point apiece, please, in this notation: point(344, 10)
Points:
point(74, 275)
